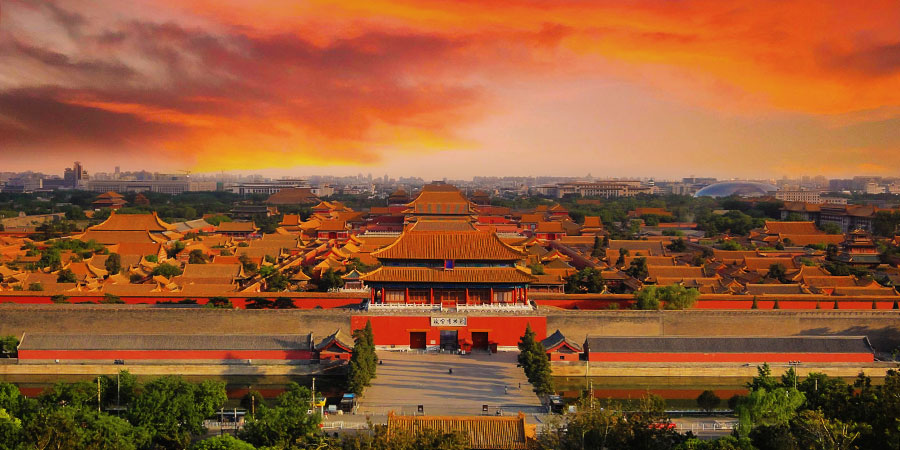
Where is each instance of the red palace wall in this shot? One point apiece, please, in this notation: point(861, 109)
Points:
point(557, 356)
point(315, 300)
point(731, 302)
point(505, 331)
point(730, 357)
point(165, 354)
point(238, 302)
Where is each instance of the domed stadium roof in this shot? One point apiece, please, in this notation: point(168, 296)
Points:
point(739, 188)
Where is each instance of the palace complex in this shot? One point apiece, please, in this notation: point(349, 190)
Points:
point(443, 270)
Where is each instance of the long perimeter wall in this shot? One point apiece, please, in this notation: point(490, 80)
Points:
point(882, 327)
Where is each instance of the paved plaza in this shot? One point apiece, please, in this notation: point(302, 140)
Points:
point(408, 379)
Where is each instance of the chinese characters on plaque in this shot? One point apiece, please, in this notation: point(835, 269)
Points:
point(448, 321)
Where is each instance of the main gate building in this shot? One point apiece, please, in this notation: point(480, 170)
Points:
point(446, 264)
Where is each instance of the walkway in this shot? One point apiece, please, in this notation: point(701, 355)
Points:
point(406, 380)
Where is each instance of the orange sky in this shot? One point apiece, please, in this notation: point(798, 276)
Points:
point(454, 89)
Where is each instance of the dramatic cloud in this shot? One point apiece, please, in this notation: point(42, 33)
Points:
point(465, 87)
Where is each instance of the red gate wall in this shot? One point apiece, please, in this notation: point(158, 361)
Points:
point(505, 331)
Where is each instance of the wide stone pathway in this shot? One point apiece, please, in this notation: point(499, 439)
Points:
point(408, 379)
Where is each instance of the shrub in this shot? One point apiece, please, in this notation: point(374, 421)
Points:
point(111, 299)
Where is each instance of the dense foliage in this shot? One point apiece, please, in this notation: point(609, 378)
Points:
point(363, 361)
point(674, 296)
point(165, 413)
point(535, 362)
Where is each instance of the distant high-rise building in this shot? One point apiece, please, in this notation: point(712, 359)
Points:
point(75, 176)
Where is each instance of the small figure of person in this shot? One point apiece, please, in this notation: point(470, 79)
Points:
point(450, 371)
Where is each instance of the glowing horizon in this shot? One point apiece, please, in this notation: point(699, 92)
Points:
point(453, 89)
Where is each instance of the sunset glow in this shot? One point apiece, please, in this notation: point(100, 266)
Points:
point(453, 88)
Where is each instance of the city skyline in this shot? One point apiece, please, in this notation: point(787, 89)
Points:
point(443, 89)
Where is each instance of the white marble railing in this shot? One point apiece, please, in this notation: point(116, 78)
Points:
point(438, 307)
point(400, 306)
point(496, 307)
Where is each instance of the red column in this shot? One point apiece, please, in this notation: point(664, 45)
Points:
point(492, 296)
point(406, 296)
point(432, 296)
point(467, 296)
point(382, 296)
point(372, 292)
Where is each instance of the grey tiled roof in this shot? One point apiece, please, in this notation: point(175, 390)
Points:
point(52, 341)
point(558, 338)
point(696, 344)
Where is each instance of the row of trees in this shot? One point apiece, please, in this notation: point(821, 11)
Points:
point(783, 413)
point(535, 362)
point(164, 413)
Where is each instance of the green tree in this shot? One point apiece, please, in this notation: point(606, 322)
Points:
point(259, 303)
point(768, 403)
point(814, 430)
point(173, 409)
point(219, 302)
point(330, 280)
point(585, 281)
point(111, 299)
point(249, 266)
point(10, 431)
point(777, 272)
point(831, 228)
point(284, 303)
point(251, 401)
point(677, 246)
point(11, 399)
point(647, 298)
point(9, 346)
point(120, 389)
point(537, 269)
point(225, 442)
point(638, 269)
point(363, 361)
point(708, 401)
point(175, 249)
point(287, 424)
point(597, 250)
point(66, 276)
point(277, 282)
point(674, 296)
point(167, 270)
point(78, 395)
point(113, 263)
point(623, 253)
point(197, 257)
point(81, 428)
point(535, 362)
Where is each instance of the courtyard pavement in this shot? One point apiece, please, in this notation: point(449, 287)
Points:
point(408, 379)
